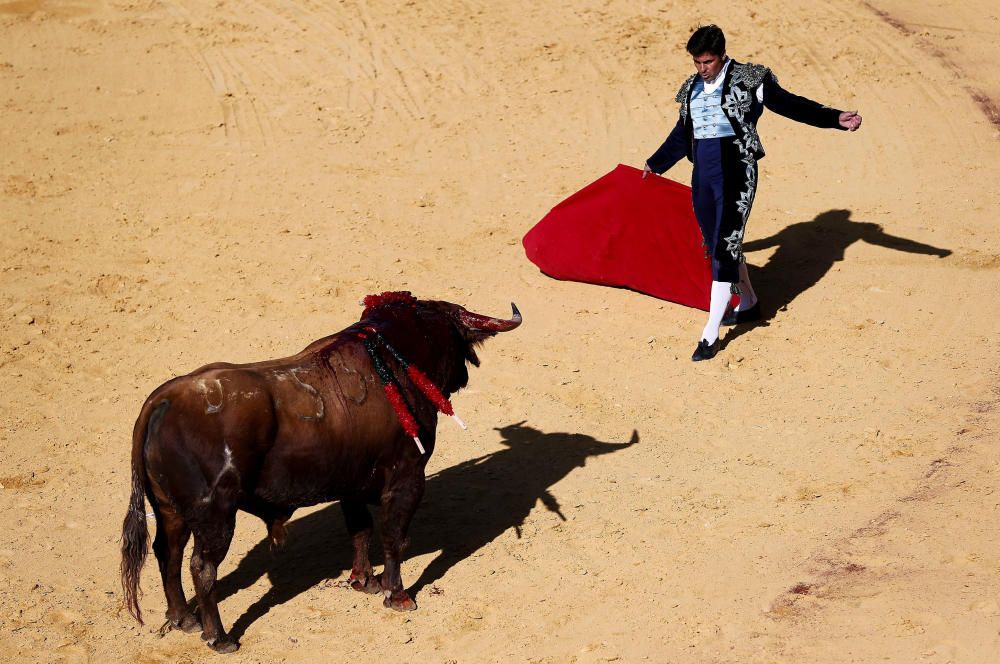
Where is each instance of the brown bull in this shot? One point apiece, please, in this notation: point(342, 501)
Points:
point(274, 436)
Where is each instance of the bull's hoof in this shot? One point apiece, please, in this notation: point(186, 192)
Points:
point(188, 623)
point(366, 583)
point(399, 601)
point(222, 645)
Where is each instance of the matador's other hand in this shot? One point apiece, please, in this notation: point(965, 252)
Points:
point(646, 170)
point(850, 120)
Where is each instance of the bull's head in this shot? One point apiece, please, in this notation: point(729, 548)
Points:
point(476, 328)
point(466, 328)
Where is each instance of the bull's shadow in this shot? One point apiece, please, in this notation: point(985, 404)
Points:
point(465, 507)
point(806, 251)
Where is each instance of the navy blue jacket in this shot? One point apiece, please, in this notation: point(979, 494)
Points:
point(740, 105)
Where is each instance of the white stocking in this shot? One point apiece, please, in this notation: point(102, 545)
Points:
point(721, 293)
point(747, 297)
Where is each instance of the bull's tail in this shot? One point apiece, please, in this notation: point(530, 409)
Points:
point(135, 535)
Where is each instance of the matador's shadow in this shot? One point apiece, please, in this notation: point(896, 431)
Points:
point(806, 252)
point(465, 507)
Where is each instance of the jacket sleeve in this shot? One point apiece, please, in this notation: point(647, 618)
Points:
point(798, 108)
point(672, 150)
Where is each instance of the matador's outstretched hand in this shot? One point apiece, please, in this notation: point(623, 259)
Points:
point(850, 120)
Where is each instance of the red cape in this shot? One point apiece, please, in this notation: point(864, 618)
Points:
point(622, 230)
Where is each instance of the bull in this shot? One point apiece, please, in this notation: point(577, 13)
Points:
point(346, 419)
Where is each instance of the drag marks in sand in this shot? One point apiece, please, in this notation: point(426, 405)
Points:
point(887, 566)
point(948, 56)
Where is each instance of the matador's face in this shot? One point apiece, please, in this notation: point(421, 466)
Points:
point(709, 65)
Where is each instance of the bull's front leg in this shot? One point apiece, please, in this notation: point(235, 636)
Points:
point(399, 502)
point(359, 525)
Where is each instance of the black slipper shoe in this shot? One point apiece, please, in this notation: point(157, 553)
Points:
point(734, 317)
point(705, 350)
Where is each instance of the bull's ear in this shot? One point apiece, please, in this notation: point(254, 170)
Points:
point(477, 328)
point(477, 336)
point(470, 353)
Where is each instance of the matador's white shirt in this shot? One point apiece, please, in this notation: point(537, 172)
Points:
point(715, 83)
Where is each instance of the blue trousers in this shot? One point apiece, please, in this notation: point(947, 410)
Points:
point(723, 184)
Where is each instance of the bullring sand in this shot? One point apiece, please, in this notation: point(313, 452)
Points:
point(186, 182)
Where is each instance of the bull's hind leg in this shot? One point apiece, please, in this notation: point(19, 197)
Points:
point(359, 525)
point(211, 542)
point(399, 502)
point(172, 535)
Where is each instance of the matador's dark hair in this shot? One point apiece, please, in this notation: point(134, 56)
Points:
point(707, 39)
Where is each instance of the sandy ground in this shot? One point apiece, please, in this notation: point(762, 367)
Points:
point(185, 182)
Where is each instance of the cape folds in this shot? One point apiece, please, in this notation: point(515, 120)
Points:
point(626, 231)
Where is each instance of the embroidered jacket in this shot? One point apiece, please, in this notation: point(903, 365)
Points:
point(740, 104)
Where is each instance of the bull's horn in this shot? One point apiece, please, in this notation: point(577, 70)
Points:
point(481, 322)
